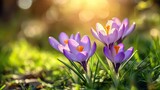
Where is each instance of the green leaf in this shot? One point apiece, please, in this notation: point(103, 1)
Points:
point(1, 88)
point(76, 72)
point(128, 69)
point(96, 72)
point(110, 71)
point(101, 61)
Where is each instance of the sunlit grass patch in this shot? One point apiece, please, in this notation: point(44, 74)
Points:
point(20, 61)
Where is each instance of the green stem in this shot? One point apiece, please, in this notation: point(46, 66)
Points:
point(110, 70)
point(88, 80)
point(114, 75)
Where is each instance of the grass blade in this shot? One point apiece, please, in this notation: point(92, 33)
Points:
point(127, 61)
point(101, 61)
point(79, 74)
point(1, 88)
point(95, 72)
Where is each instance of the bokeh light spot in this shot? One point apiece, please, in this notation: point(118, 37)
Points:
point(154, 32)
point(24, 4)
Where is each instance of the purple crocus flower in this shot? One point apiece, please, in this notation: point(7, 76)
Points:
point(127, 29)
point(63, 41)
point(117, 55)
point(114, 31)
point(107, 35)
point(80, 51)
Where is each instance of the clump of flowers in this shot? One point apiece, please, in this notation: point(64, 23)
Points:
point(77, 49)
point(112, 36)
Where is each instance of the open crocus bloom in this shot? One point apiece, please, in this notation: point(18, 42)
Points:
point(117, 55)
point(80, 51)
point(63, 41)
point(113, 31)
point(127, 29)
point(108, 34)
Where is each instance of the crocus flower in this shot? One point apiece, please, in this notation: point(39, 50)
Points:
point(106, 35)
point(127, 29)
point(116, 54)
point(63, 41)
point(114, 31)
point(80, 51)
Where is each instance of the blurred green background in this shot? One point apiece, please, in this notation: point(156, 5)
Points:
point(25, 26)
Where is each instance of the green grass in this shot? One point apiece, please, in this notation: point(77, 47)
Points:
point(21, 61)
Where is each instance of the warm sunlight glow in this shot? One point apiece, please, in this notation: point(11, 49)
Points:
point(87, 10)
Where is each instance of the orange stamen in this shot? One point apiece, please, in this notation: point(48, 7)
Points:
point(80, 48)
point(66, 41)
point(116, 48)
point(108, 28)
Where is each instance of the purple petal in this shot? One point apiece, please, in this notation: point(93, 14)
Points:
point(113, 51)
point(121, 31)
point(113, 36)
point(126, 23)
point(93, 49)
point(82, 56)
point(72, 44)
point(121, 47)
point(117, 21)
point(94, 33)
point(99, 27)
point(53, 42)
point(61, 47)
point(128, 53)
point(104, 38)
point(102, 32)
point(115, 25)
point(72, 36)
point(62, 37)
point(86, 43)
point(69, 55)
point(131, 28)
point(119, 57)
point(107, 53)
point(77, 37)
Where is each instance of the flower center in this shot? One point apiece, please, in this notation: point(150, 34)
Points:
point(80, 48)
point(66, 41)
point(116, 48)
point(108, 27)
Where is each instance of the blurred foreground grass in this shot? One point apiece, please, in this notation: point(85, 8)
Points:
point(21, 61)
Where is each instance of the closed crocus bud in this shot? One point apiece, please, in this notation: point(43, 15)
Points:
point(116, 54)
point(80, 51)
